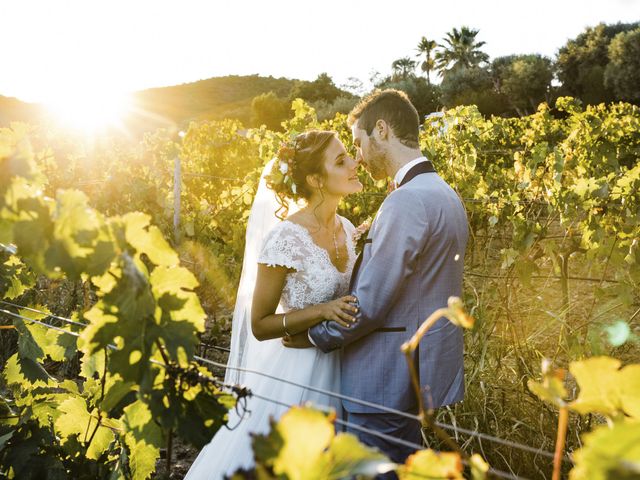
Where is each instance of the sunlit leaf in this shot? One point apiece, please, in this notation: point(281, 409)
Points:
point(143, 439)
point(609, 453)
point(148, 239)
point(431, 464)
point(597, 378)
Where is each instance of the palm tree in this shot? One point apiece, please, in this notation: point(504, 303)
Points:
point(403, 67)
point(460, 51)
point(426, 47)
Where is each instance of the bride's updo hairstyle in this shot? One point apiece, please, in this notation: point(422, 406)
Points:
point(295, 160)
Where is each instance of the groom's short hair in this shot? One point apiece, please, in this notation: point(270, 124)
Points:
point(392, 106)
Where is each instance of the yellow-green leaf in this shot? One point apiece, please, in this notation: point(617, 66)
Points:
point(598, 380)
point(629, 380)
point(306, 434)
point(609, 453)
point(143, 438)
point(430, 464)
point(148, 239)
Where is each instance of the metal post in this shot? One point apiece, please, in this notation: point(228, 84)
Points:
point(177, 182)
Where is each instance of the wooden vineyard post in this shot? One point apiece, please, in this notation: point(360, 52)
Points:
point(177, 182)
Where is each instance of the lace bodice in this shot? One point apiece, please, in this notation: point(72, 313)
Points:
point(315, 279)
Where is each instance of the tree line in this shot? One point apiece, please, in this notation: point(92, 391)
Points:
point(600, 65)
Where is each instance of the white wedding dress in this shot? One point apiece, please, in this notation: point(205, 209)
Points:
point(315, 280)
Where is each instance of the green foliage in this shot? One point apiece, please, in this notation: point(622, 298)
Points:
point(524, 80)
point(403, 68)
point(563, 189)
point(322, 88)
point(582, 62)
point(430, 464)
point(113, 418)
point(427, 48)
point(472, 86)
point(328, 110)
point(609, 453)
point(460, 51)
point(622, 74)
point(607, 389)
point(206, 100)
point(269, 110)
point(303, 445)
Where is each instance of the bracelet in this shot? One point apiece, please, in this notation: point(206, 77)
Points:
point(284, 325)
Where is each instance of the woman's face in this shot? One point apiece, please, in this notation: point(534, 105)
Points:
point(341, 171)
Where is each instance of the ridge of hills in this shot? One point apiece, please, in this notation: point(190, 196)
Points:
point(214, 98)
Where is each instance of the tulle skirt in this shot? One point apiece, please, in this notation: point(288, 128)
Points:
point(230, 450)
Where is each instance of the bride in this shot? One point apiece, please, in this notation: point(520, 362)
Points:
point(296, 273)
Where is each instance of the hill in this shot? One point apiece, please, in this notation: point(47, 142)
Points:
point(12, 110)
point(210, 99)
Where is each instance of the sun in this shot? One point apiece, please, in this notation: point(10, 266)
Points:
point(89, 112)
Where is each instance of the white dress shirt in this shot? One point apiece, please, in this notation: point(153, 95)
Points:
point(400, 174)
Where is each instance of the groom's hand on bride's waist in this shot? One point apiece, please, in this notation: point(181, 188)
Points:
point(299, 340)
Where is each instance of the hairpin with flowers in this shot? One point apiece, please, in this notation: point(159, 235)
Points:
point(280, 180)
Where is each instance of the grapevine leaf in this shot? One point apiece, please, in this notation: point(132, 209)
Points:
point(203, 417)
point(148, 239)
point(430, 464)
point(53, 343)
point(347, 456)
point(45, 408)
point(20, 370)
point(100, 442)
point(551, 389)
point(5, 438)
point(609, 453)
point(598, 380)
point(606, 389)
point(479, 467)
point(306, 433)
point(92, 364)
point(142, 438)
point(115, 391)
point(629, 380)
point(266, 447)
point(74, 419)
point(303, 445)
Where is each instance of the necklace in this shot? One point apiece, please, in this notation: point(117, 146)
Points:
point(335, 246)
point(335, 239)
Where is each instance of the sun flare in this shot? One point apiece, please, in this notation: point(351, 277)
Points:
point(89, 112)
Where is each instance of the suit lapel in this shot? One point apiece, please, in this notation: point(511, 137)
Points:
point(420, 168)
point(356, 265)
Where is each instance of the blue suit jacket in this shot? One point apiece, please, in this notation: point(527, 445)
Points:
point(412, 264)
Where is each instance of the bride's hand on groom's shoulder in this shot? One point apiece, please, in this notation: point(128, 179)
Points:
point(341, 310)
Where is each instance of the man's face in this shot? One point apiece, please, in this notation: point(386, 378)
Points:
point(369, 153)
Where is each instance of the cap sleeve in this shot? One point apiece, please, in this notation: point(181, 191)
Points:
point(282, 247)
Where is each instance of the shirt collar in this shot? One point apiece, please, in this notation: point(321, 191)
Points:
point(400, 174)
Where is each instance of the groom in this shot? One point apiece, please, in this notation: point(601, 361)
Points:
point(411, 264)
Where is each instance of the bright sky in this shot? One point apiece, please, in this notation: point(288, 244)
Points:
point(53, 46)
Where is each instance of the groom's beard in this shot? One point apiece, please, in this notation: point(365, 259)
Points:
point(376, 161)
